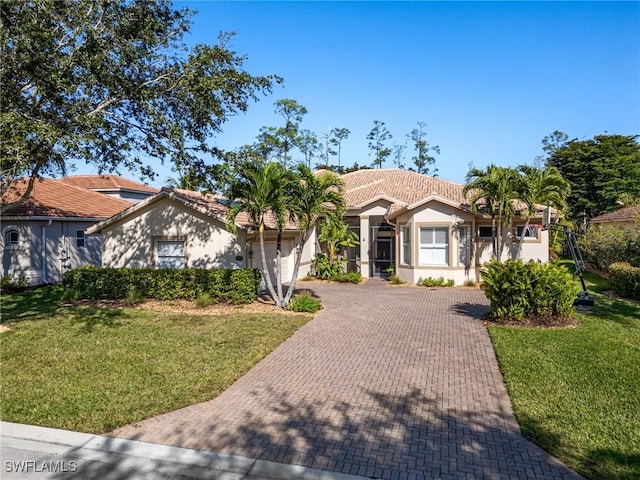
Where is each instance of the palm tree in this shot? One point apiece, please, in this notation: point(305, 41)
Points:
point(313, 195)
point(493, 191)
point(540, 186)
point(259, 191)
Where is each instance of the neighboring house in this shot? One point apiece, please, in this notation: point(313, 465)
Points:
point(184, 229)
point(112, 185)
point(425, 227)
point(422, 225)
point(627, 217)
point(45, 236)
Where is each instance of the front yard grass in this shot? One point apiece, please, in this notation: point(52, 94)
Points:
point(93, 369)
point(576, 392)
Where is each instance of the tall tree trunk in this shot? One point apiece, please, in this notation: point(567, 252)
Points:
point(265, 266)
point(296, 268)
point(494, 237)
point(279, 269)
point(521, 240)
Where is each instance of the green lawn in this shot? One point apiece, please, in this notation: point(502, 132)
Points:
point(94, 369)
point(576, 392)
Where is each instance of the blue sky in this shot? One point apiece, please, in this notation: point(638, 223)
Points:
point(490, 80)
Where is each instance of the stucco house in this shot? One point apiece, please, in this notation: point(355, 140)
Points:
point(185, 229)
point(422, 225)
point(425, 227)
point(45, 236)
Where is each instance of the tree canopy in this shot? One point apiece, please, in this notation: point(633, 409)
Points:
point(603, 172)
point(111, 84)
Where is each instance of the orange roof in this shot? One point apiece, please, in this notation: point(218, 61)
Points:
point(626, 214)
point(402, 187)
point(212, 205)
point(52, 198)
point(106, 182)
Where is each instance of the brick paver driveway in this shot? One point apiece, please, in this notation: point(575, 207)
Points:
point(387, 382)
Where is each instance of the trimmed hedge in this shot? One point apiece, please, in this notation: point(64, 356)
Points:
point(517, 290)
point(625, 279)
point(236, 287)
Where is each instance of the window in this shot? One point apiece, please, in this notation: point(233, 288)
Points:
point(11, 237)
point(434, 246)
point(485, 232)
point(80, 238)
point(170, 254)
point(530, 234)
point(463, 247)
point(405, 239)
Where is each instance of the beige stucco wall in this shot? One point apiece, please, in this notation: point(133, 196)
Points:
point(532, 249)
point(435, 214)
point(130, 242)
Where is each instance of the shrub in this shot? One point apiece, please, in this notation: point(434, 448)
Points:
point(516, 289)
point(326, 271)
point(396, 280)
point(435, 282)
point(10, 284)
point(469, 282)
point(305, 303)
point(351, 277)
point(602, 246)
point(625, 280)
point(204, 300)
point(133, 297)
point(223, 285)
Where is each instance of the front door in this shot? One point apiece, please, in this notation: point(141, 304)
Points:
point(382, 257)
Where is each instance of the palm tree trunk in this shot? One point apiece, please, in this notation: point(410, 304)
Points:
point(521, 240)
point(279, 268)
point(296, 268)
point(494, 233)
point(265, 267)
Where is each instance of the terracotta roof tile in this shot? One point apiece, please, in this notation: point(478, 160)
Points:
point(626, 214)
point(402, 186)
point(52, 198)
point(106, 182)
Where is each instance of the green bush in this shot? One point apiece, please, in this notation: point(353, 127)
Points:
point(516, 289)
point(602, 246)
point(223, 285)
point(10, 284)
point(625, 280)
point(396, 280)
point(435, 282)
point(326, 271)
point(204, 300)
point(351, 277)
point(304, 303)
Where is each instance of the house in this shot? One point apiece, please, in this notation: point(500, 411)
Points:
point(627, 217)
point(422, 225)
point(45, 236)
point(184, 229)
point(425, 227)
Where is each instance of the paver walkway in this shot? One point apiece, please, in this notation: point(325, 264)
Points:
point(386, 382)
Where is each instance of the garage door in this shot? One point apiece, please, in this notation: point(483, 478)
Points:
point(270, 252)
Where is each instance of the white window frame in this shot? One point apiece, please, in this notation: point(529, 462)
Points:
point(530, 229)
point(405, 245)
point(6, 232)
point(433, 246)
point(157, 258)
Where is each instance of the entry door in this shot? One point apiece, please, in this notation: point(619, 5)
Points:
point(382, 257)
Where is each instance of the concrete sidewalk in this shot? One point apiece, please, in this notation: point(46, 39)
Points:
point(36, 453)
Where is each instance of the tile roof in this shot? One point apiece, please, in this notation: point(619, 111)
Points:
point(52, 198)
point(106, 182)
point(212, 205)
point(402, 187)
point(626, 214)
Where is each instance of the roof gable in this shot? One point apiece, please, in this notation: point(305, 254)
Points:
point(107, 183)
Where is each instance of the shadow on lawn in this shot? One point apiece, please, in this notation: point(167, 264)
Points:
point(33, 303)
point(394, 436)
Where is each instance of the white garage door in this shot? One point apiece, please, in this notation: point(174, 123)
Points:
point(270, 252)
